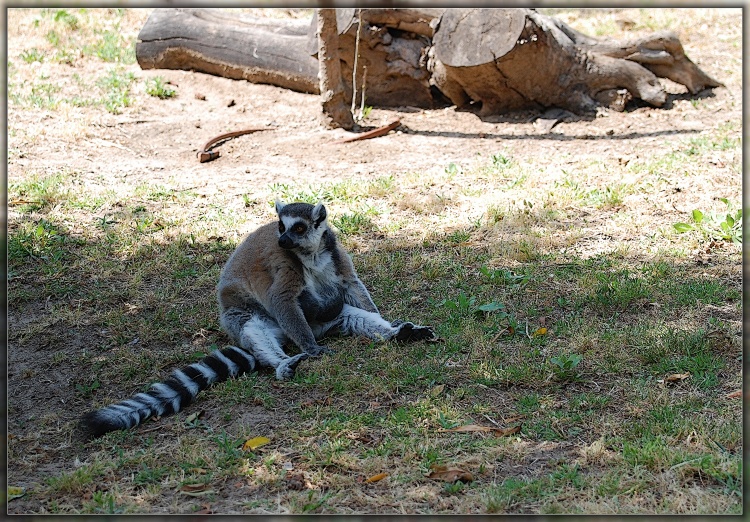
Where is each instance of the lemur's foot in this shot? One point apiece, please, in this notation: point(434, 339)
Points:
point(286, 369)
point(316, 351)
point(409, 332)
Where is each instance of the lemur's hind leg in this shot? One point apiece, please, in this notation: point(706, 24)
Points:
point(261, 336)
point(357, 322)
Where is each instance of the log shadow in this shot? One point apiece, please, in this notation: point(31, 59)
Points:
point(530, 115)
point(671, 99)
point(546, 136)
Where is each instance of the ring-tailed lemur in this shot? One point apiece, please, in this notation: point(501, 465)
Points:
point(289, 281)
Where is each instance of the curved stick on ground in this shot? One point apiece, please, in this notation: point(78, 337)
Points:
point(205, 154)
point(374, 133)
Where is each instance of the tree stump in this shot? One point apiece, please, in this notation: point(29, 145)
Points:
point(393, 56)
point(499, 60)
point(512, 59)
point(334, 108)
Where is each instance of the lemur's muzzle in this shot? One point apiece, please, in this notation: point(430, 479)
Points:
point(286, 242)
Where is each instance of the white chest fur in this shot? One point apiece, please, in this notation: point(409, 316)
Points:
point(319, 272)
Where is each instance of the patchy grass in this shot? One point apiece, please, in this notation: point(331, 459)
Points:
point(72, 38)
point(159, 87)
point(564, 298)
point(572, 346)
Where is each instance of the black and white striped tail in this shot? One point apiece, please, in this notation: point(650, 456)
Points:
point(170, 396)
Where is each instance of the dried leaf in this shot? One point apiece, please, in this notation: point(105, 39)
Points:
point(255, 442)
point(734, 395)
point(376, 478)
point(21, 201)
point(193, 488)
point(507, 431)
point(196, 490)
point(313, 402)
point(469, 428)
point(365, 438)
point(295, 481)
point(15, 492)
point(437, 390)
point(675, 377)
point(499, 432)
point(194, 416)
point(449, 474)
point(199, 471)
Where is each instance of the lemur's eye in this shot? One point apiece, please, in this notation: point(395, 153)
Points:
point(281, 227)
point(299, 228)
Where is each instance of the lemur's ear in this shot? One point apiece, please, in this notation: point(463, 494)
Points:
point(279, 205)
point(319, 214)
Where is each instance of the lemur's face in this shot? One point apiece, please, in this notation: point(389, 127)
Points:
point(293, 233)
point(300, 226)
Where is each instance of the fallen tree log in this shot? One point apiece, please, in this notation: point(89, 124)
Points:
point(232, 45)
point(499, 60)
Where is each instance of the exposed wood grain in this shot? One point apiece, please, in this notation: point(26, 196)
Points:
point(476, 36)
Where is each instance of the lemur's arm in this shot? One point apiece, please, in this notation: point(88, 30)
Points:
point(285, 308)
point(357, 295)
point(355, 292)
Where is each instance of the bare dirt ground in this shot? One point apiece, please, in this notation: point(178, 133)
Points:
point(159, 139)
point(156, 141)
